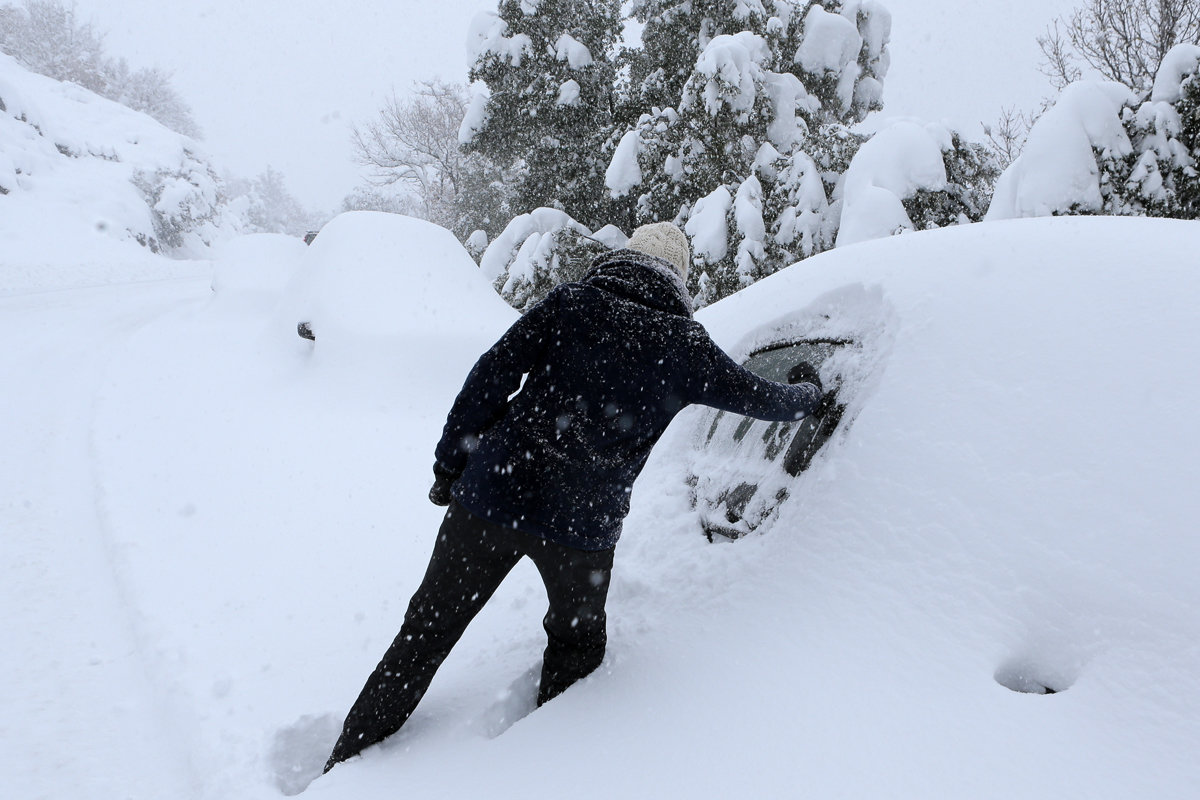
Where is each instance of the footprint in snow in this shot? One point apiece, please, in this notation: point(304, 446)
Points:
point(516, 702)
point(299, 751)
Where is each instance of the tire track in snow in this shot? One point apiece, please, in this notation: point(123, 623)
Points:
point(79, 715)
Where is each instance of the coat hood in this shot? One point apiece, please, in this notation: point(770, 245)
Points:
point(641, 278)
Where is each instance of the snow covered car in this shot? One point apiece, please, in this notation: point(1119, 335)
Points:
point(375, 277)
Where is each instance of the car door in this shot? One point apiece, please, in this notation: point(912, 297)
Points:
point(744, 468)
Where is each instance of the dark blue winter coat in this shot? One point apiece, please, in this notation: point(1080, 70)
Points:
point(609, 361)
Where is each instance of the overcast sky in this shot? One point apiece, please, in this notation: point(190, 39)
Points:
point(280, 81)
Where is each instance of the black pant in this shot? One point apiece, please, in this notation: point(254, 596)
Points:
point(470, 559)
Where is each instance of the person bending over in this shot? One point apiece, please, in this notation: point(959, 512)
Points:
point(544, 469)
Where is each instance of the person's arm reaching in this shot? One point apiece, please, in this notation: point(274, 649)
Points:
point(721, 383)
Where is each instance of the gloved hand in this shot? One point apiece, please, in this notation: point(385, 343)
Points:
point(439, 494)
point(829, 403)
point(804, 373)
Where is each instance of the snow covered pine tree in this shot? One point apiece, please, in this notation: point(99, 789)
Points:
point(546, 114)
point(1159, 177)
point(541, 126)
point(744, 130)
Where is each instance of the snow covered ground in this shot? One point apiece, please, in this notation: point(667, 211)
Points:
point(211, 528)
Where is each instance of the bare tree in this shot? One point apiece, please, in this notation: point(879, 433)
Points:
point(1006, 137)
point(1059, 62)
point(1123, 40)
point(413, 144)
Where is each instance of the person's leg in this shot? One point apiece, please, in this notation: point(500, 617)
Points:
point(470, 559)
point(577, 588)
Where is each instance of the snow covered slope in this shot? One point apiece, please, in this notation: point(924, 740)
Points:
point(84, 178)
point(1010, 507)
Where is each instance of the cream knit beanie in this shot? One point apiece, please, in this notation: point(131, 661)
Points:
point(666, 241)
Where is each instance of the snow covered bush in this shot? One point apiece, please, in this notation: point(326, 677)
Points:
point(1057, 171)
point(183, 200)
point(743, 133)
point(1102, 149)
point(541, 249)
point(914, 176)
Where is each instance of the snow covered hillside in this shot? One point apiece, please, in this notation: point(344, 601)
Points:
point(211, 529)
point(82, 175)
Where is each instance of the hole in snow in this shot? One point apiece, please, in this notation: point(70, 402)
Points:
point(1032, 677)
